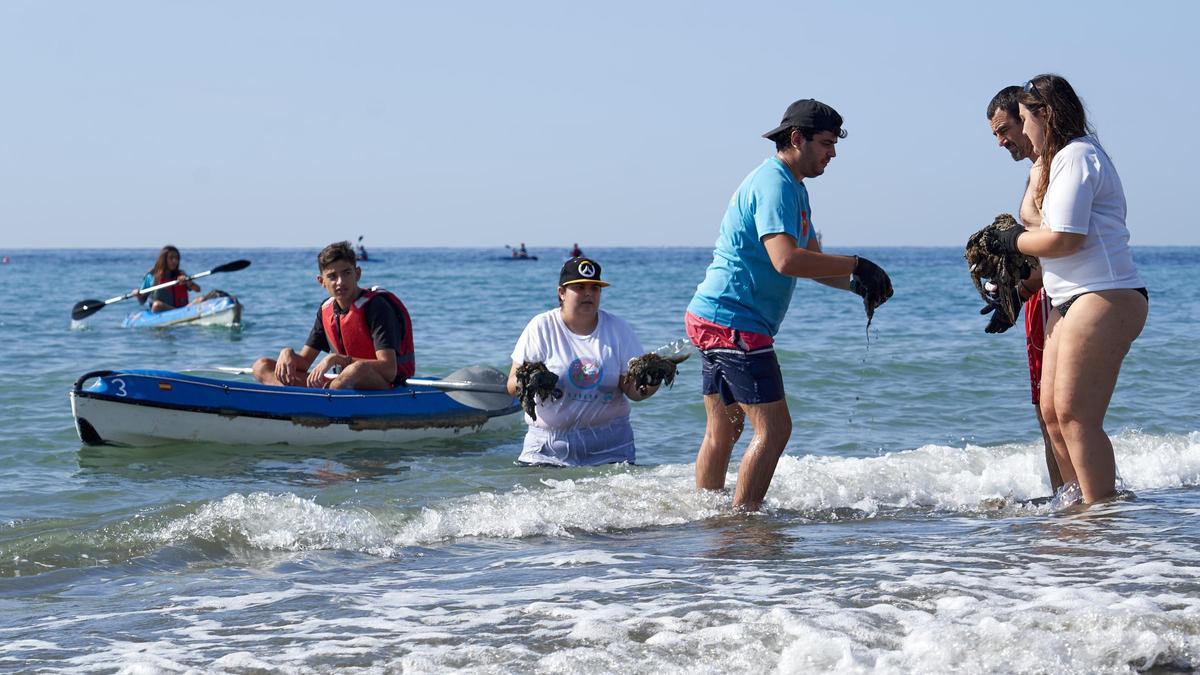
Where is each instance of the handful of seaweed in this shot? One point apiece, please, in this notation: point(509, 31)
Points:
point(1005, 271)
point(651, 370)
point(871, 300)
point(534, 380)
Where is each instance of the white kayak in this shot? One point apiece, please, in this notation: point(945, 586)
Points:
point(156, 407)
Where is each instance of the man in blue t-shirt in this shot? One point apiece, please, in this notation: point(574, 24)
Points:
point(766, 243)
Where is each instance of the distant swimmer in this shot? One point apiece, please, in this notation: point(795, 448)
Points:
point(1004, 117)
point(577, 358)
point(766, 241)
point(166, 268)
point(1087, 268)
point(576, 252)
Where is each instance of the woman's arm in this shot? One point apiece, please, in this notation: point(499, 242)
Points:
point(1048, 244)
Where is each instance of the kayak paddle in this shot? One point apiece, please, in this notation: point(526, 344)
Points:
point(476, 387)
point(86, 308)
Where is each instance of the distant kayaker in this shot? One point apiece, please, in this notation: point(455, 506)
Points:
point(521, 252)
point(576, 252)
point(366, 332)
point(586, 419)
point(166, 268)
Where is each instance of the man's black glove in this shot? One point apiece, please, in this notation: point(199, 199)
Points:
point(999, 321)
point(870, 282)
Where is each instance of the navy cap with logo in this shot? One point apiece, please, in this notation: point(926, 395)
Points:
point(809, 113)
point(580, 270)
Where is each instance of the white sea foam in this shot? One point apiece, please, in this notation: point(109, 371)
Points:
point(1074, 594)
point(278, 522)
point(708, 618)
point(932, 478)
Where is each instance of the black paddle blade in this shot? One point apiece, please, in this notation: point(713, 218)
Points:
point(85, 308)
point(231, 266)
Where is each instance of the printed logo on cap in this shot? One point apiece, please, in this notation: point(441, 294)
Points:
point(587, 269)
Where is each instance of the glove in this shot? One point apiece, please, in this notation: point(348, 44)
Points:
point(870, 282)
point(1004, 242)
point(999, 321)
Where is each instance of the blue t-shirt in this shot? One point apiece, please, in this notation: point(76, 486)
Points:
point(742, 289)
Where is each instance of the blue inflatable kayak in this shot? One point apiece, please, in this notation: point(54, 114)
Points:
point(223, 310)
point(154, 407)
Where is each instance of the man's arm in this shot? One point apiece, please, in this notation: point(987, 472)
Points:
point(839, 282)
point(291, 364)
point(789, 259)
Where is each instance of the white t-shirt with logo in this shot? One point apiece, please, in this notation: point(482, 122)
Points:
point(589, 369)
point(1085, 197)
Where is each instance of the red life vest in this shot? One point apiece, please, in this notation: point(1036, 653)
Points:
point(179, 292)
point(348, 333)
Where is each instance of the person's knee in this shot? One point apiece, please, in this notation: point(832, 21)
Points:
point(1049, 412)
point(358, 375)
point(1070, 423)
point(349, 378)
point(1074, 417)
point(780, 425)
point(723, 435)
point(773, 430)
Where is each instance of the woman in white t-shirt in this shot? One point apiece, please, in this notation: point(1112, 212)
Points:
point(587, 419)
point(1087, 269)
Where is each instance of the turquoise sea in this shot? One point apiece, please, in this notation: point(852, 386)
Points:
point(895, 537)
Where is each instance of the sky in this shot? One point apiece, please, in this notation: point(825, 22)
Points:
point(297, 123)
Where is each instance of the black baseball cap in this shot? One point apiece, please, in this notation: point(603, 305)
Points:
point(580, 270)
point(809, 113)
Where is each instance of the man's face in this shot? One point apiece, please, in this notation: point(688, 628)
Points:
point(1008, 133)
point(340, 280)
point(816, 154)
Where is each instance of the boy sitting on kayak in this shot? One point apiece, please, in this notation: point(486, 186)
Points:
point(367, 333)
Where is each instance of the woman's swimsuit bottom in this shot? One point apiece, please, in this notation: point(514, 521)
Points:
point(1062, 309)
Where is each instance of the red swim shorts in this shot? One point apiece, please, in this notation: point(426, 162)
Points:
point(1037, 311)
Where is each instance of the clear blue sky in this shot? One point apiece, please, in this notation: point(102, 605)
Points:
point(608, 124)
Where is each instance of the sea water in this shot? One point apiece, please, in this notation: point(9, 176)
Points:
point(896, 535)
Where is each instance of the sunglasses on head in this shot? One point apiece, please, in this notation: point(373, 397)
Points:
point(1031, 88)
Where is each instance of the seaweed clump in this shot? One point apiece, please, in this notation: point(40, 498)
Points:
point(534, 380)
point(1004, 270)
point(651, 370)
